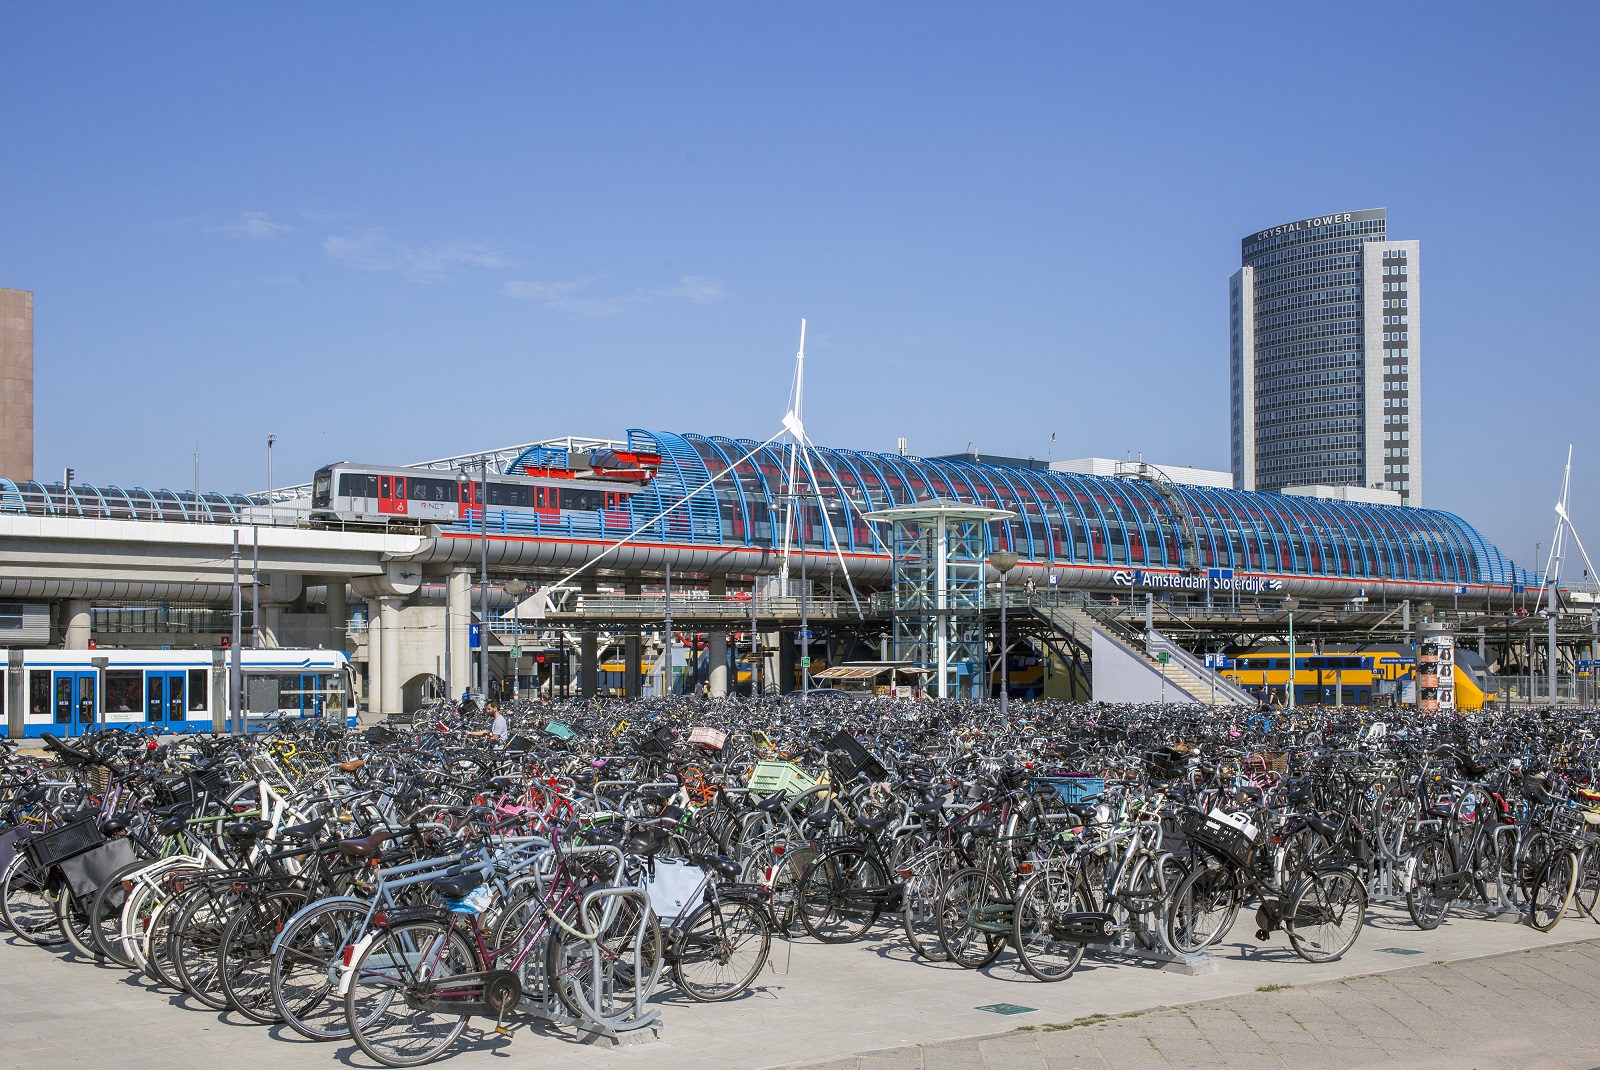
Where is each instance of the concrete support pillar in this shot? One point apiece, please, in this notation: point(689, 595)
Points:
point(589, 663)
point(458, 606)
point(717, 659)
point(271, 622)
point(375, 657)
point(77, 615)
point(786, 661)
point(633, 666)
point(391, 679)
point(632, 646)
point(338, 612)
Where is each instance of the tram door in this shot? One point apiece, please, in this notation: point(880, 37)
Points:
point(164, 699)
point(392, 495)
point(310, 695)
point(75, 704)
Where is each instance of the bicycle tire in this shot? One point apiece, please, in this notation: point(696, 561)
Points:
point(1326, 915)
point(305, 967)
point(715, 960)
point(28, 909)
point(967, 903)
point(1202, 908)
point(389, 1002)
point(244, 954)
point(833, 895)
point(1048, 895)
point(1430, 860)
point(1552, 890)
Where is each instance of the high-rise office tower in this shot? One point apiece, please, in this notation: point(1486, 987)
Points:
point(16, 384)
point(1326, 369)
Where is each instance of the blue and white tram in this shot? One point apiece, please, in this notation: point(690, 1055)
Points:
point(68, 692)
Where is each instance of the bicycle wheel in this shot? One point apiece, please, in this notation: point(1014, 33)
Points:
point(72, 918)
point(920, 916)
point(1047, 896)
point(972, 909)
point(1425, 900)
point(397, 1006)
point(105, 914)
point(1202, 908)
point(305, 967)
point(244, 954)
point(195, 936)
point(1588, 890)
point(721, 949)
point(838, 895)
point(26, 904)
point(1552, 890)
point(1326, 914)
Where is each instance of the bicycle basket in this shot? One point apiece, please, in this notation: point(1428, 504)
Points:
point(61, 843)
point(1073, 789)
point(1165, 763)
point(709, 738)
point(769, 778)
point(857, 759)
point(1219, 834)
point(658, 744)
point(559, 730)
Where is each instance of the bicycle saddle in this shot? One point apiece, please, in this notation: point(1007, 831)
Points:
point(114, 824)
point(772, 804)
point(874, 824)
point(720, 864)
point(307, 831)
point(366, 846)
point(927, 809)
point(352, 765)
point(247, 830)
point(645, 842)
point(459, 886)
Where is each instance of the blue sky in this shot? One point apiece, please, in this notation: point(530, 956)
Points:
point(391, 232)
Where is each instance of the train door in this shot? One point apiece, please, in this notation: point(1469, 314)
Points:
point(75, 704)
point(164, 699)
point(392, 495)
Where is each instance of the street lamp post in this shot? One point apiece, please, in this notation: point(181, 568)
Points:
point(270, 440)
point(1003, 563)
point(515, 587)
point(483, 587)
point(1291, 604)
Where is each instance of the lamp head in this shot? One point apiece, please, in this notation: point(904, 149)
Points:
point(1003, 562)
point(1291, 603)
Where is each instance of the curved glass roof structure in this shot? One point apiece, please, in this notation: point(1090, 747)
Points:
point(118, 503)
point(1062, 517)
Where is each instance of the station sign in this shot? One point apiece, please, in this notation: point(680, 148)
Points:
point(474, 636)
point(1217, 579)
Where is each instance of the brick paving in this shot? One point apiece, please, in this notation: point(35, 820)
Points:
point(1527, 1010)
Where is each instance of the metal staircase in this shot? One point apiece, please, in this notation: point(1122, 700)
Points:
point(1078, 621)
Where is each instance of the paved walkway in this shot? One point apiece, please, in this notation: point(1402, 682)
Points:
point(820, 1005)
point(1522, 1011)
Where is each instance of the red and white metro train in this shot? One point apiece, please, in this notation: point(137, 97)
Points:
point(366, 494)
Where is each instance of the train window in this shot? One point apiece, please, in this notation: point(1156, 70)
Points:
point(581, 499)
point(322, 489)
point(197, 690)
point(383, 487)
point(10, 616)
point(357, 485)
point(511, 495)
point(424, 489)
point(124, 691)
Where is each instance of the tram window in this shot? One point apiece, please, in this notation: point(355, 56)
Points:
point(10, 616)
point(39, 693)
point(581, 499)
point(197, 690)
point(321, 489)
point(124, 691)
point(383, 486)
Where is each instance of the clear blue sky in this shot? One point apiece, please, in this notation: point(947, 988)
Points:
point(389, 232)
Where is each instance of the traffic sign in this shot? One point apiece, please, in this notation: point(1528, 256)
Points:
point(805, 663)
point(803, 633)
point(473, 637)
point(516, 652)
point(1163, 657)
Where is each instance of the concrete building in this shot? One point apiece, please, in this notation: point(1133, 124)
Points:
point(16, 384)
point(1325, 318)
point(1171, 473)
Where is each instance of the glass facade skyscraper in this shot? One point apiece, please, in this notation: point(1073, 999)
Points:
point(1325, 322)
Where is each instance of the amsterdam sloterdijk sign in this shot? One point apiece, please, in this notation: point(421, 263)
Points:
point(1217, 579)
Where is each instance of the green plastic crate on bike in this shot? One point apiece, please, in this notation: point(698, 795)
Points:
point(559, 730)
point(769, 778)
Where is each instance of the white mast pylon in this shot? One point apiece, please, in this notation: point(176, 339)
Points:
point(1552, 570)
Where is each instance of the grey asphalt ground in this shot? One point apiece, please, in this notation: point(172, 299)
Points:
point(1533, 1004)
